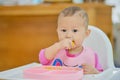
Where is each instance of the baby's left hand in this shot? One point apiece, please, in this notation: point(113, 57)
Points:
point(88, 69)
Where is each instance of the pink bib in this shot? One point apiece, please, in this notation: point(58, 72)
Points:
point(87, 56)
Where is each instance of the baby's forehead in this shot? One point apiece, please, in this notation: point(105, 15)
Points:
point(70, 27)
point(70, 23)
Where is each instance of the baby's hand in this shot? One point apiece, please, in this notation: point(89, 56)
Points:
point(52, 50)
point(67, 44)
point(88, 69)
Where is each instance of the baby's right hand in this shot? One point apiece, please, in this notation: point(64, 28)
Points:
point(66, 44)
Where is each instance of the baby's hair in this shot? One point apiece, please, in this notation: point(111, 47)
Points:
point(70, 11)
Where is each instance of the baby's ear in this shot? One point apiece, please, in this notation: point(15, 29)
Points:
point(88, 32)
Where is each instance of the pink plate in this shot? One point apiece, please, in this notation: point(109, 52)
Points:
point(53, 73)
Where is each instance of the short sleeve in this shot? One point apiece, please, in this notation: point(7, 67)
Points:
point(43, 59)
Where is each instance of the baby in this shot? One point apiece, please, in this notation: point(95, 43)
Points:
point(72, 30)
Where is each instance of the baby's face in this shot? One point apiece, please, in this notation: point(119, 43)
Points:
point(72, 27)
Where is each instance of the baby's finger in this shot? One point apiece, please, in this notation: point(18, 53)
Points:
point(84, 65)
point(85, 71)
point(68, 45)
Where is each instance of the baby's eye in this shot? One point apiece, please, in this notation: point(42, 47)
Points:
point(75, 30)
point(63, 30)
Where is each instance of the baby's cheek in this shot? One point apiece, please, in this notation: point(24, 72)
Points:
point(61, 38)
point(78, 43)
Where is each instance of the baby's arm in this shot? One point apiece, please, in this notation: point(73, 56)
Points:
point(88, 69)
point(51, 51)
point(46, 55)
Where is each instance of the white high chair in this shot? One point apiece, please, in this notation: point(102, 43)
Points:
point(100, 43)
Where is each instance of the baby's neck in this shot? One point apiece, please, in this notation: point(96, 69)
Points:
point(76, 50)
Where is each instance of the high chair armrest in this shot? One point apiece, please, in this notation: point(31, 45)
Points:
point(107, 74)
point(99, 76)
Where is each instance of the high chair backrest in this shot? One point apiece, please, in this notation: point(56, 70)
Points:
point(100, 43)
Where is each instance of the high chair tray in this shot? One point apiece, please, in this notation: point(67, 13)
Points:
point(17, 73)
point(53, 73)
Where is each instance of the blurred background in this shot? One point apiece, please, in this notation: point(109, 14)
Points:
point(27, 26)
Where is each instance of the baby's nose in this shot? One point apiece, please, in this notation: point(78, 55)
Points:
point(69, 35)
